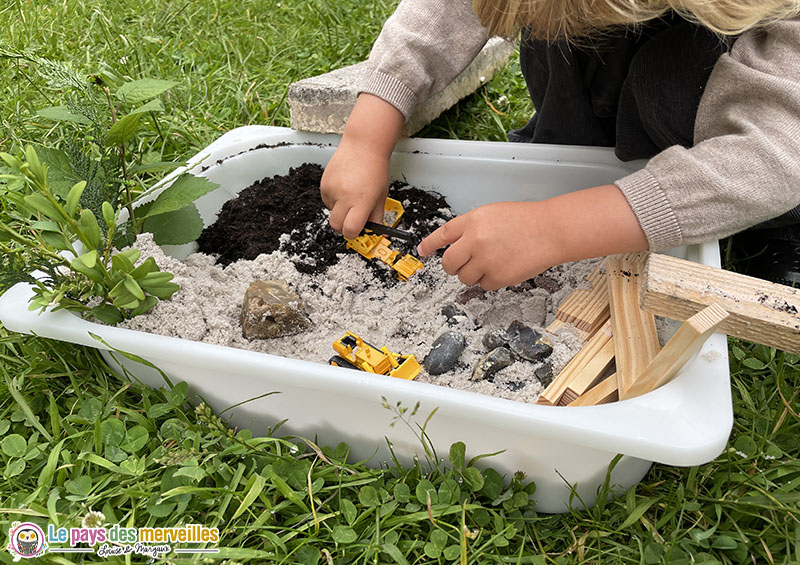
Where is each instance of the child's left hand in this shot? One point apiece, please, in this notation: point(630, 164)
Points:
point(505, 243)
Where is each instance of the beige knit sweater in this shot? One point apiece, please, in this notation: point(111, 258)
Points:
point(743, 169)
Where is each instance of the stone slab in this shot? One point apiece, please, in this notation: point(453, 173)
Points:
point(323, 103)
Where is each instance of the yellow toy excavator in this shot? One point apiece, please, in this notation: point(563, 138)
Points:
point(373, 244)
point(355, 353)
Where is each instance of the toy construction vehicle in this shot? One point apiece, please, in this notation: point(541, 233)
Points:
point(376, 245)
point(355, 353)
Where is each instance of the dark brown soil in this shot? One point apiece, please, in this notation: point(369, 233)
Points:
point(253, 222)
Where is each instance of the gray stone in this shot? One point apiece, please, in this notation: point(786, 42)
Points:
point(545, 373)
point(492, 362)
point(452, 313)
point(494, 339)
point(323, 103)
point(527, 343)
point(500, 313)
point(549, 284)
point(271, 309)
point(445, 353)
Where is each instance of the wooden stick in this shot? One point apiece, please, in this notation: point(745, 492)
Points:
point(587, 308)
point(584, 370)
point(635, 335)
point(602, 393)
point(760, 311)
point(687, 341)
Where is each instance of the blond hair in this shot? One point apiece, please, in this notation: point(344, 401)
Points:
point(557, 19)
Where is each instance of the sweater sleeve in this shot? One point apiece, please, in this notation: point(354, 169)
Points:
point(745, 165)
point(424, 45)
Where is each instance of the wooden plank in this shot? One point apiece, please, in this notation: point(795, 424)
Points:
point(635, 335)
point(588, 365)
point(686, 341)
point(602, 393)
point(587, 308)
point(760, 311)
point(588, 376)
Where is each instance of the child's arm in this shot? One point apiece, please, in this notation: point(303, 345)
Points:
point(506, 243)
point(424, 45)
point(356, 179)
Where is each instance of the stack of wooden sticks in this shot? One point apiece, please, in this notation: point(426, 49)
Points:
point(615, 317)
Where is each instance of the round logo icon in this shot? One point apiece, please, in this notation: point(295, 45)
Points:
point(26, 540)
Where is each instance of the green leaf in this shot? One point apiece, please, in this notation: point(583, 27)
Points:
point(394, 552)
point(108, 215)
point(80, 486)
point(457, 453)
point(93, 273)
point(90, 229)
point(637, 513)
point(194, 472)
point(89, 259)
point(746, 445)
point(349, 510)
point(135, 439)
point(163, 291)
point(254, 487)
point(368, 496)
point(143, 89)
point(123, 130)
point(492, 483)
point(112, 432)
point(753, 363)
point(147, 304)
point(60, 175)
point(122, 263)
point(74, 197)
point(439, 539)
point(724, 542)
point(107, 314)
point(344, 534)
point(148, 267)
point(185, 190)
point(14, 468)
point(401, 492)
point(14, 445)
point(152, 106)
point(175, 228)
point(63, 114)
point(132, 287)
point(40, 203)
point(473, 478)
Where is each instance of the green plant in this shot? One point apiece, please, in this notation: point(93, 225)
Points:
point(83, 270)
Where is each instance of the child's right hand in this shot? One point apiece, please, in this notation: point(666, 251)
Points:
point(356, 179)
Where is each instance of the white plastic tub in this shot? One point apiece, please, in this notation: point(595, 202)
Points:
point(686, 422)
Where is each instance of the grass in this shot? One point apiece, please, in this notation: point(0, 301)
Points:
point(75, 437)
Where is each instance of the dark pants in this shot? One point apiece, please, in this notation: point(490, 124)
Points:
point(637, 91)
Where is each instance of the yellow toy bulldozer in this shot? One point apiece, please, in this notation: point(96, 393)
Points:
point(355, 353)
point(374, 245)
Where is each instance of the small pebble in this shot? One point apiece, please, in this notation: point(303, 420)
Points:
point(452, 313)
point(494, 339)
point(545, 373)
point(469, 293)
point(445, 353)
point(526, 343)
point(492, 362)
point(549, 284)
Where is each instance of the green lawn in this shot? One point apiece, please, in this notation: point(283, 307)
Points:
point(74, 437)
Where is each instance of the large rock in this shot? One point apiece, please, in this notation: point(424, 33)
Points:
point(323, 103)
point(271, 309)
point(445, 353)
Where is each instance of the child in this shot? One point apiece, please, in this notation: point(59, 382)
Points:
point(716, 169)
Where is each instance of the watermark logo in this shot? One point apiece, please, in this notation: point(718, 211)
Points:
point(26, 540)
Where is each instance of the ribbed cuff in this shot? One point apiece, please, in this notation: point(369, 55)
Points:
point(391, 90)
point(652, 209)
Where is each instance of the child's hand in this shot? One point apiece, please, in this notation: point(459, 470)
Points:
point(356, 179)
point(503, 244)
point(354, 187)
point(495, 245)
